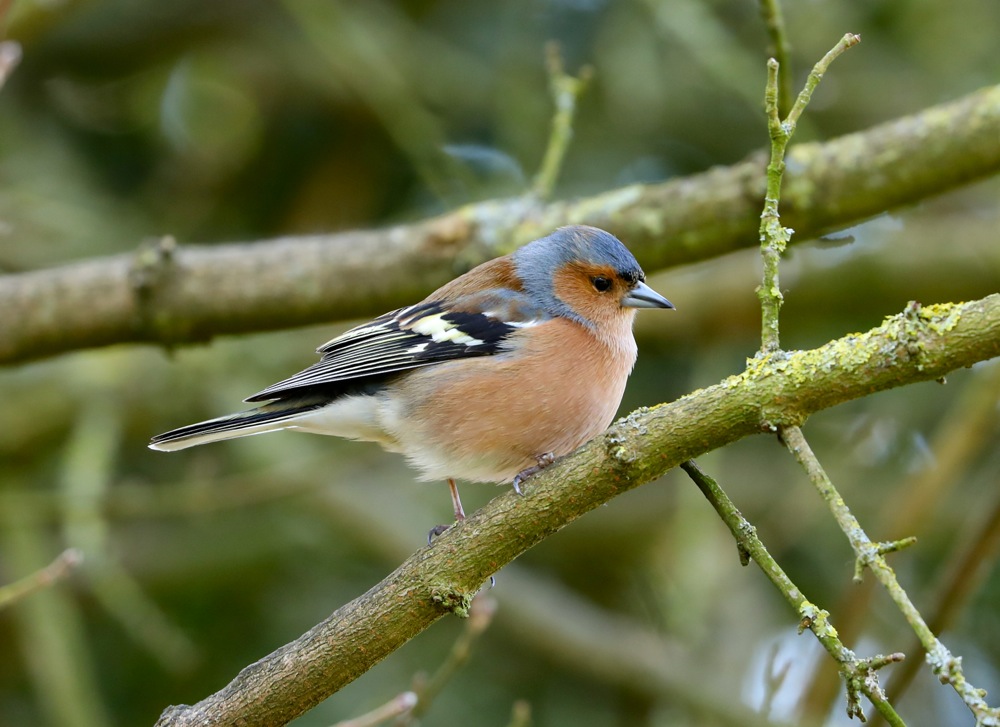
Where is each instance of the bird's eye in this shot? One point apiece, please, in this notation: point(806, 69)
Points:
point(601, 283)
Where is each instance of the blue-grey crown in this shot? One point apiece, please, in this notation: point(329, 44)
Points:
point(538, 259)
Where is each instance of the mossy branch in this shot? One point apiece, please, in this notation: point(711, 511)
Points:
point(859, 674)
point(780, 50)
point(179, 295)
point(871, 555)
point(921, 345)
point(774, 237)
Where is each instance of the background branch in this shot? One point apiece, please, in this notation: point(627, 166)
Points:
point(920, 345)
point(189, 294)
point(566, 90)
point(54, 572)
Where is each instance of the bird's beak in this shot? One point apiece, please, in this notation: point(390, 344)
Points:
point(642, 296)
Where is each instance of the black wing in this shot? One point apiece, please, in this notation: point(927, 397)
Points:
point(409, 338)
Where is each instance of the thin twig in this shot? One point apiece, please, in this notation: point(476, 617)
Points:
point(481, 614)
point(780, 50)
point(962, 433)
point(945, 666)
point(815, 76)
point(50, 574)
point(859, 674)
point(959, 585)
point(774, 236)
point(393, 708)
point(566, 90)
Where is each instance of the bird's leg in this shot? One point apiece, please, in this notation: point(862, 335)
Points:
point(543, 460)
point(456, 503)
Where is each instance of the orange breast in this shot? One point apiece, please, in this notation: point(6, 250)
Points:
point(489, 418)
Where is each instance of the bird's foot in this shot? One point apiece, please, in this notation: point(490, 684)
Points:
point(435, 532)
point(456, 503)
point(543, 460)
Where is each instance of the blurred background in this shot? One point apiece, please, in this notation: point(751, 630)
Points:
point(245, 120)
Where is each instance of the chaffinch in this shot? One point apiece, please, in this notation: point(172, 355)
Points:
point(490, 378)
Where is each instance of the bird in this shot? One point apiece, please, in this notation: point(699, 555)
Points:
point(490, 378)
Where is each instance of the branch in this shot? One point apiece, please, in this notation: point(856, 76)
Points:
point(774, 237)
point(779, 50)
point(963, 431)
point(189, 294)
point(945, 666)
point(50, 574)
point(481, 613)
point(783, 389)
point(964, 576)
point(566, 91)
point(859, 674)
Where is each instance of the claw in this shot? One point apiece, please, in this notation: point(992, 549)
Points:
point(436, 531)
point(543, 460)
point(456, 503)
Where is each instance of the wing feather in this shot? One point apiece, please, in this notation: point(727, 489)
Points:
point(421, 335)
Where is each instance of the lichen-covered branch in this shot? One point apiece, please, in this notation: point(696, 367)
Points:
point(774, 237)
point(871, 555)
point(859, 674)
point(922, 344)
point(960, 584)
point(177, 295)
point(779, 50)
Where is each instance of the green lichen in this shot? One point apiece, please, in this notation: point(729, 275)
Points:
point(941, 318)
point(452, 600)
point(816, 620)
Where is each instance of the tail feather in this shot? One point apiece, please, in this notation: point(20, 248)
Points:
point(266, 418)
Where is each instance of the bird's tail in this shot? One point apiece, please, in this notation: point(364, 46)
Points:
point(267, 418)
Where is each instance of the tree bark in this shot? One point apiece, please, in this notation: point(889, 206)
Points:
point(174, 296)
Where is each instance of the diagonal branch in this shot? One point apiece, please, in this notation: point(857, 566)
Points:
point(945, 666)
point(182, 295)
point(54, 572)
point(860, 674)
point(920, 344)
